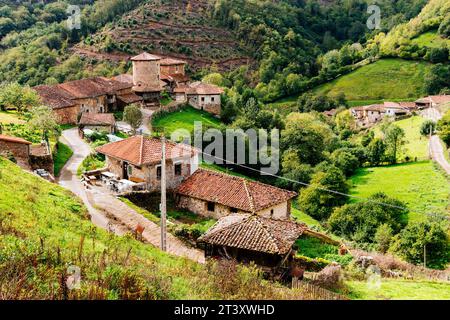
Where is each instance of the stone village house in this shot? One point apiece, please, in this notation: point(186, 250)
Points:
point(138, 159)
point(214, 194)
point(367, 116)
point(201, 96)
point(204, 192)
point(432, 101)
point(100, 122)
point(151, 75)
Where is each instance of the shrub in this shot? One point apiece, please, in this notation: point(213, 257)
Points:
point(359, 221)
point(383, 237)
point(427, 127)
point(420, 238)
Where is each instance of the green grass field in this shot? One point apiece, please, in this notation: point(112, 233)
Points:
point(184, 119)
point(384, 79)
point(420, 185)
point(10, 117)
point(400, 290)
point(63, 154)
point(416, 145)
point(430, 39)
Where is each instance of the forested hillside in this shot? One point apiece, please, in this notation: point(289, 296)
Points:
point(280, 39)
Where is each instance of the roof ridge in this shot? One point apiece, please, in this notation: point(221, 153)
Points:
point(250, 198)
point(270, 236)
point(212, 232)
point(141, 151)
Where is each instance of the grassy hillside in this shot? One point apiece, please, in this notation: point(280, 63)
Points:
point(184, 119)
point(430, 39)
point(384, 79)
point(420, 185)
point(400, 290)
point(416, 145)
point(44, 229)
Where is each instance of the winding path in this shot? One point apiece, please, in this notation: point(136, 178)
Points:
point(436, 148)
point(110, 213)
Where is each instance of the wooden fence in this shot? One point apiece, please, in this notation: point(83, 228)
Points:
point(313, 292)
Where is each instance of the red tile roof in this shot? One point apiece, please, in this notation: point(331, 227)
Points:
point(139, 150)
point(13, 139)
point(231, 191)
point(97, 119)
point(252, 232)
point(175, 77)
point(63, 95)
point(171, 62)
point(55, 97)
point(92, 87)
point(130, 98)
point(145, 57)
point(203, 88)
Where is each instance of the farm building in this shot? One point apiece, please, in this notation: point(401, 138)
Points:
point(138, 159)
point(18, 148)
point(368, 115)
point(101, 122)
point(214, 194)
point(201, 96)
point(248, 238)
point(173, 73)
point(432, 101)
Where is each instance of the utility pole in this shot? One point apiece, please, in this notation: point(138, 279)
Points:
point(163, 196)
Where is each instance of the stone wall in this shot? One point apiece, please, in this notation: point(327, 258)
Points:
point(148, 173)
point(173, 69)
point(145, 74)
point(208, 103)
point(20, 151)
point(67, 115)
point(200, 207)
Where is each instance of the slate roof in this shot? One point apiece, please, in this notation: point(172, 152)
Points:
point(97, 119)
point(253, 232)
point(231, 191)
point(139, 150)
point(13, 139)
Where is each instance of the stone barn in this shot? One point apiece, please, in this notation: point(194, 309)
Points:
point(214, 194)
point(100, 122)
point(250, 238)
point(17, 148)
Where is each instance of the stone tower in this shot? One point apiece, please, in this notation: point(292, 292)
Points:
point(147, 77)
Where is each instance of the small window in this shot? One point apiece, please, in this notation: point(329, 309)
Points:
point(211, 206)
point(158, 172)
point(203, 99)
point(271, 213)
point(212, 99)
point(178, 169)
point(233, 210)
point(130, 170)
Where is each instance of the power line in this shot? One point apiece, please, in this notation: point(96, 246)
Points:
point(306, 184)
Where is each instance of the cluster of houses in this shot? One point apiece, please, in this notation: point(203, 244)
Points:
point(367, 116)
point(254, 219)
point(151, 76)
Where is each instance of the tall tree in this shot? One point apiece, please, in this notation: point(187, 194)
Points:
point(133, 116)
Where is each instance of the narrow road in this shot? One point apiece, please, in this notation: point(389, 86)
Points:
point(110, 213)
point(436, 148)
point(69, 180)
point(437, 153)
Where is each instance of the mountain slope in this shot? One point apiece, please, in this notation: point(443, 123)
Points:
point(178, 28)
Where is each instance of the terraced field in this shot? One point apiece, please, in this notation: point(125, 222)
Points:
point(177, 28)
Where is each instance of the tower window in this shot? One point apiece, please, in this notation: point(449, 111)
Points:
point(158, 172)
point(178, 169)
